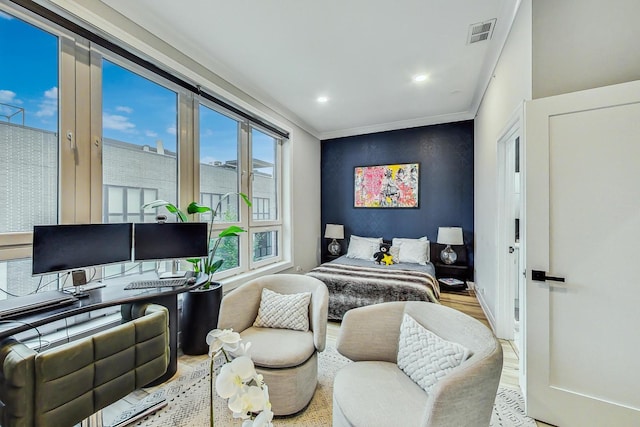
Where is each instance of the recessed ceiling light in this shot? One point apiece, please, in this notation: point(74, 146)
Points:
point(419, 78)
point(322, 99)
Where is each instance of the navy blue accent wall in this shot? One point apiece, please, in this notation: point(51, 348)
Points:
point(445, 154)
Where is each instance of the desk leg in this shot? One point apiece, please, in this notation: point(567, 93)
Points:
point(171, 303)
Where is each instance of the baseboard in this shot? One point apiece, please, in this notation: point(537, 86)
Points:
point(487, 313)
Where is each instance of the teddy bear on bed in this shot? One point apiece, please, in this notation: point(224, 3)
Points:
point(383, 255)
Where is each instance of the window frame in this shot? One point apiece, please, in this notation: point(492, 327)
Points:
point(80, 184)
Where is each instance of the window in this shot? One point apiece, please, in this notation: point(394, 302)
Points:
point(264, 177)
point(139, 158)
point(263, 245)
point(28, 126)
point(261, 208)
point(227, 145)
point(122, 204)
point(211, 200)
point(266, 229)
point(29, 139)
point(89, 136)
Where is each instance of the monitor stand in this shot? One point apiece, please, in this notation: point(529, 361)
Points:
point(174, 273)
point(83, 290)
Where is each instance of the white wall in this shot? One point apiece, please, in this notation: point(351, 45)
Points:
point(305, 179)
point(302, 157)
point(554, 47)
point(509, 87)
point(584, 44)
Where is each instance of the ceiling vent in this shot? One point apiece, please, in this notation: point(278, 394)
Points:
point(481, 31)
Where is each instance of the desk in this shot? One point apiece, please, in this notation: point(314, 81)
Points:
point(109, 296)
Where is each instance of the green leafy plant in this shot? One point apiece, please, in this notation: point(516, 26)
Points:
point(208, 265)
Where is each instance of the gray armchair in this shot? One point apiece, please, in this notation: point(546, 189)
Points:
point(374, 391)
point(286, 358)
point(64, 385)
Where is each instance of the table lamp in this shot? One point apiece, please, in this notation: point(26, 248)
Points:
point(449, 236)
point(334, 231)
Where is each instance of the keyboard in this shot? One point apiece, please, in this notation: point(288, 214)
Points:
point(146, 284)
point(34, 303)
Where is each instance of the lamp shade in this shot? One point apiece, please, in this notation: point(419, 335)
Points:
point(450, 236)
point(334, 231)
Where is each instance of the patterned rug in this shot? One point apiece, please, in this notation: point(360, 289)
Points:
point(187, 400)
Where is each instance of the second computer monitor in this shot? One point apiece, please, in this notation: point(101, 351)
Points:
point(171, 240)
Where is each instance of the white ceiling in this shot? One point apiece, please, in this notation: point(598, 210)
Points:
point(361, 54)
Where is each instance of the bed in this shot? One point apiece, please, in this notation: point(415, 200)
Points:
point(357, 282)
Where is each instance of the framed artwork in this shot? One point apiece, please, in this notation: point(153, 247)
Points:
point(387, 186)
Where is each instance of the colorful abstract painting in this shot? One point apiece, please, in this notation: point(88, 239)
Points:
point(387, 186)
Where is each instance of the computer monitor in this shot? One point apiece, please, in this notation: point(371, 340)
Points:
point(170, 240)
point(59, 248)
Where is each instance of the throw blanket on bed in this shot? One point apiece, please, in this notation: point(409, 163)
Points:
point(353, 286)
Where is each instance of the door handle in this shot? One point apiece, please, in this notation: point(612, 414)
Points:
point(541, 276)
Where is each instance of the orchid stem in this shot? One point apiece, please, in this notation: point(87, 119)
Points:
point(211, 419)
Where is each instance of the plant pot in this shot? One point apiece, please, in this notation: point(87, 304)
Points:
point(200, 308)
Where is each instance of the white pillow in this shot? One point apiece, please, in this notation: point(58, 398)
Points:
point(284, 311)
point(424, 356)
point(363, 247)
point(412, 250)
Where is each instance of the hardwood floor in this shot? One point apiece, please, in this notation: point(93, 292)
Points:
point(466, 303)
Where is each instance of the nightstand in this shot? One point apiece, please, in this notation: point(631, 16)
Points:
point(455, 271)
point(329, 257)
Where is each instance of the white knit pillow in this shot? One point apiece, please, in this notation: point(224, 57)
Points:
point(424, 356)
point(284, 311)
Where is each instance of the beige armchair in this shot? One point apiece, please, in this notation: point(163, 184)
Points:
point(374, 391)
point(64, 385)
point(286, 358)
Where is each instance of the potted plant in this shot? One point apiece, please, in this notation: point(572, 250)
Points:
point(200, 307)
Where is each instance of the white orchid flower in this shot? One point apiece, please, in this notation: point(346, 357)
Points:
point(252, 399)
point(263, 419)
point(219, 339)
point(238, 380)
point(234, 375)
point(243, 349)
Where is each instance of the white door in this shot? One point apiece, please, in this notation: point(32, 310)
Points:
point(582, 189)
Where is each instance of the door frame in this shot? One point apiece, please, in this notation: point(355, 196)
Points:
point(505, 305)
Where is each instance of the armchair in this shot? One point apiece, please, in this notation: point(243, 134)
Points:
point(286, 358)
point(374, 391)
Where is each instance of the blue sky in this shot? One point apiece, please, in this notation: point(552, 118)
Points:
point(135, 110)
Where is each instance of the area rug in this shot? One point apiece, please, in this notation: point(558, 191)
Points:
point(188, 402)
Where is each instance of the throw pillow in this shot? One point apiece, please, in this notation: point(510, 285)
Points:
point(363, 247)
point(284, 311)
point(395, 253)
point(424, 356)
point(412, 250)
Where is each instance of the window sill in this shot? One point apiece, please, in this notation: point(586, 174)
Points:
point(233, 282)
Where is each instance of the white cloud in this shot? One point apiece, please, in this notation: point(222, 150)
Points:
point(124, 109)
point(8, 97)
point(49, 105)
point(171, 130)
point(5, 16)
point(150, 133)
point(207, 133)
point(116, 122)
